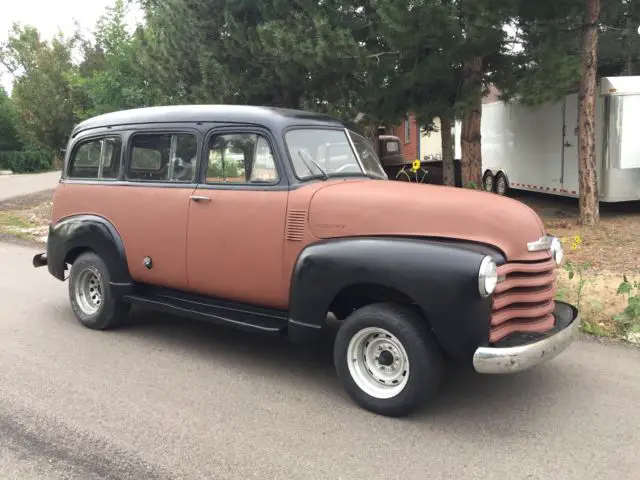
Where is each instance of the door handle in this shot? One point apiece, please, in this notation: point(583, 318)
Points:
point(200, 198)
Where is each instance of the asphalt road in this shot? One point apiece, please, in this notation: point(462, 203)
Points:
point(170, 398)
point(17, 185)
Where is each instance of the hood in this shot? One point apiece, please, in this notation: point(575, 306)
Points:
point(384, 207)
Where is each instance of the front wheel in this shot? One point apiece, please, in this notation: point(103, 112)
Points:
point(90, 294)
point(387, 359)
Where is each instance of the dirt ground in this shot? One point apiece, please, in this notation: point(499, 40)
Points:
point(603, 254)
point(612, 249)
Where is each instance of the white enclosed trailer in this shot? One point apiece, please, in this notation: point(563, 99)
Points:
point(536, 148)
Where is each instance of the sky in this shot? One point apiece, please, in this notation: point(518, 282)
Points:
point(49, 17)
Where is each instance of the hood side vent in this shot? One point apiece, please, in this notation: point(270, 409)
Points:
point(296, 224)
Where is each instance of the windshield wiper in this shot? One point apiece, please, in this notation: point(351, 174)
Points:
point(324, 174)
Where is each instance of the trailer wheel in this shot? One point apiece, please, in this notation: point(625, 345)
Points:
point(488, 181)
point(502, 185)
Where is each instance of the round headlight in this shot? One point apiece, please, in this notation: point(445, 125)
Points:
point(487, 276)
point(556, 251)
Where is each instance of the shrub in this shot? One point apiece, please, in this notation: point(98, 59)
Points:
point(629, 320)
point(26, 161)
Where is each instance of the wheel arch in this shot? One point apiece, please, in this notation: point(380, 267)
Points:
point(71, 236)
point(437, 276)
point(356, 295)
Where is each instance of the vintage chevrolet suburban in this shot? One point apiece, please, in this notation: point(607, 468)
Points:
point(271, 220)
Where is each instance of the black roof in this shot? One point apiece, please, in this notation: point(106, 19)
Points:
point(268, 116)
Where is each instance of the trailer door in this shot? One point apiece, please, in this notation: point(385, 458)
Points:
point(570, 141)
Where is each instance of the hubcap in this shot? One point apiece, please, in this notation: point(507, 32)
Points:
point(88, 291)
point(378, 362)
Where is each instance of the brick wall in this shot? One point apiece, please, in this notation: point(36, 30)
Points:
point(410, 149)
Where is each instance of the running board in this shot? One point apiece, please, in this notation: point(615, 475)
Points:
point(245, 317)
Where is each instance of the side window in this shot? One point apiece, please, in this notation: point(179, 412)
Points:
point(240, 158)
point(163, 157)
point(98, 158)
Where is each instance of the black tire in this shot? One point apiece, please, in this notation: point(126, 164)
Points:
point(488, 176)
point(501, 178)
point(110, 312)
point(423, 353)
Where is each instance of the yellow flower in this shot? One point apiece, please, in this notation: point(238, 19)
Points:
point(416, 165)
point(577, 241)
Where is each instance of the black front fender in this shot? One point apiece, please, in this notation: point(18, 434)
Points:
point(441, 277)
point(89, 232)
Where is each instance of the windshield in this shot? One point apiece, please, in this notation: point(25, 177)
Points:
point(317, 152)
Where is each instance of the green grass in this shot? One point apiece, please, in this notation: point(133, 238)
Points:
point(14, 224)
point(594, 329)
point(12, 221)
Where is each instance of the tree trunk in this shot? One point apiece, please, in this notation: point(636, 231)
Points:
point(471, 165)
point(448, 169)
point(588, 181)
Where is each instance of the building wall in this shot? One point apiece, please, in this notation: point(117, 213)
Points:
point(407, 132)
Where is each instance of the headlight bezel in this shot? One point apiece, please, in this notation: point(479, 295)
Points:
point(487, 276)
point(557, 253)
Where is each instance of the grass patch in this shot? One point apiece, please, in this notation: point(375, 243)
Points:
point(13, 221)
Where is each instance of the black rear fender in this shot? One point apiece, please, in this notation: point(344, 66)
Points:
point(73, 235)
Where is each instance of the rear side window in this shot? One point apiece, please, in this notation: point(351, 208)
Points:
point(98, 158)
point(163, 157)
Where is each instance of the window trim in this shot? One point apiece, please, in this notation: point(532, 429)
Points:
point(238, 130)
point(407, 128)
point(89, 139)
point(160, 132)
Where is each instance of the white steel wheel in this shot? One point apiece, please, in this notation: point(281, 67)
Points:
point(387, 358)
point(378, 362)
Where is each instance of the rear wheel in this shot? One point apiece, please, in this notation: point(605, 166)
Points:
point(488, 182)
point(387, 359)
point(90, 294)
point(502, 186)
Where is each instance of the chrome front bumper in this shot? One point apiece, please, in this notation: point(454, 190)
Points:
point(521, 357)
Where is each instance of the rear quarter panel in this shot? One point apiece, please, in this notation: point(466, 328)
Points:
point(150, 220)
